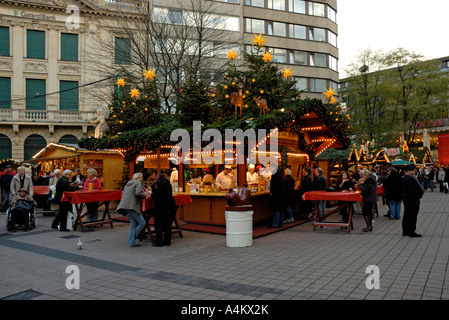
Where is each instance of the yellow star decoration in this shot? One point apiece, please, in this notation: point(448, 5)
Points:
point(267, 57)
point(149, 74)
point(332, 100)
point(329, 93)
point(258, 40)
point(120, 82)
point(232, 55)
point(287, 73)
point(134, 93)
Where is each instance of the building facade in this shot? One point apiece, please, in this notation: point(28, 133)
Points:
point(46, 62)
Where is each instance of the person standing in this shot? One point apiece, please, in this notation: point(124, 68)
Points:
point(393, 193)
point(344, 184)
point(305, 206)
point(290, 191)
point(62, 186)
point(130, 205)
point(21, 180)
point(252, 176)
point(92, 183)
point(54, 179)
point(412, 192)
point(164, 210)
point(278, 200)
point(319, 184)
point(5, 184)
point(368, 188)
point(441, 176)
point(431, 177)
point(78, 178)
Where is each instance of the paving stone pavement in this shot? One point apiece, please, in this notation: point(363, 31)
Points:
point(294, 264)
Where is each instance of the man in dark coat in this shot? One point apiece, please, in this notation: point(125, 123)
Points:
point(164, 210)
point(62, 185)
point(319, 184)
point(412, 192)
point(278, 201)
point(290, 191)
point(306, 185)
point(393, 193)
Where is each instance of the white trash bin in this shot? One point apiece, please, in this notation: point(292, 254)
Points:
point(239, 228)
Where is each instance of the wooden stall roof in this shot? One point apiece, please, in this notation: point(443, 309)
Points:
point(56, 151)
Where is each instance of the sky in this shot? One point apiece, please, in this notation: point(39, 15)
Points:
point(415, 25)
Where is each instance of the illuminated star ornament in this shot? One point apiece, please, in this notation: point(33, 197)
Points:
point(332, 100)
point(120, 82)
point(134, 93)
point(287, 73)
point(232, 55)
point(258, 40)
point(330, 93)
point(149, 74)
point(267, 57)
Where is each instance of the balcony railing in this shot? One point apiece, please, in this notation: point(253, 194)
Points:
point(46, 116)
point(121, 5)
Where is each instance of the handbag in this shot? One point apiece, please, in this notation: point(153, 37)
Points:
point(23, 204)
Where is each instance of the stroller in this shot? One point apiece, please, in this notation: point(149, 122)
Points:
point(23, 217)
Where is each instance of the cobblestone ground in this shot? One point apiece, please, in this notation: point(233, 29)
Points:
point(294, 264)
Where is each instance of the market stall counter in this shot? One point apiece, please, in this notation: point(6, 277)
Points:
point(348, 198)
point(210, 207)
point(80, 198)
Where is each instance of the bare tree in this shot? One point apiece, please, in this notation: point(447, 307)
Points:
point(190, 36)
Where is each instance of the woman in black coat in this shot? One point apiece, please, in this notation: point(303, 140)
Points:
point(393, 193)
point(368, 188)
point(344, 184)
point(164, 210)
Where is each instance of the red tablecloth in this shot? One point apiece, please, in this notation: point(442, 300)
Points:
point(180, 199)
point(353, 196)
point(44, 190)
point(91, 196)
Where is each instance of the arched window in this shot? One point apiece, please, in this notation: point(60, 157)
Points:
point(33, 144)
point(68, 139)
point(5, 147)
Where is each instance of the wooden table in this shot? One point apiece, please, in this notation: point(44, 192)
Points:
point(148, 205)
point(348, 198)
point(80, 198)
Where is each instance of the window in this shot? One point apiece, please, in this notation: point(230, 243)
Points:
point(298, 32)
point(333, 85)
point(255, 3)
point(35, 44)
point(317, 34)
point(298, 57)
point(255, 26)
point(32, 145)
point(68, 139)
point(301, 84)
point(5, 93)
point(4, 41)
point(318, 85)
point(316, 9)
point(276, 29)
point(332, 14)
point(69, 47)
point(333, 63)
point(35, 94)
point(318, 59)
point(276, 4)
point(175, 16)
point(298, 6)
point(122, 51)
point(332, 38)
point(5, 147)
point(68, 97)
point(221, 49)
point(279, 55)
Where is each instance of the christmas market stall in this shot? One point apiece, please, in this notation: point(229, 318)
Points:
point(259, 98)
point(107, 163)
